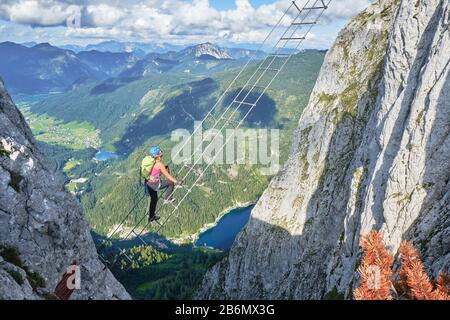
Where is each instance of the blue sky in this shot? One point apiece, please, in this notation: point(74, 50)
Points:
point(225, 22)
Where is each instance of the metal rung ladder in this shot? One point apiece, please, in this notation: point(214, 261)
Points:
point(293, 38)
point(302, 17)
point(303, 23)
point(280, 55)
point(245, 103)
point(139, 237)
point(217, 121)
point(123, 252)
point(271, 69)
point(296, 6)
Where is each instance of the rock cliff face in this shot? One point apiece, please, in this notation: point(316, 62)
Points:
point(42, 227)
point(372, 151)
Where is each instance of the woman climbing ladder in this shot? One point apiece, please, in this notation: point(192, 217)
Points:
point(153, 182)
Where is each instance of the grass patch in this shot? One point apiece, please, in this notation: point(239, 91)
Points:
point(423, 244)
point(35, 280)
point(402, 197)
point(327, 99)
point(309, 222)
point(49, 296)
point(71, 187)
point(350, 99)
point(305, 174)
point(11, 255)
point(16, 276)
point(3, 151)
point(333, 295)
point(420, 117)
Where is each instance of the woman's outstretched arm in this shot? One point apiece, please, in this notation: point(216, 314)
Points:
point(165, 172)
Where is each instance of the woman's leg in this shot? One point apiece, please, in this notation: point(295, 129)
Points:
point(153, 202)
point(169, 186)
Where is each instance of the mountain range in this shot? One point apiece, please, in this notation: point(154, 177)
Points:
point(202, 58)
point(138, 48)
point(41, 68)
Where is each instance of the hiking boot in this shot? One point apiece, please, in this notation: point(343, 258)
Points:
point(154, 218)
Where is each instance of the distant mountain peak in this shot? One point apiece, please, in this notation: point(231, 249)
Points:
point(43, 45)
point(208, 50)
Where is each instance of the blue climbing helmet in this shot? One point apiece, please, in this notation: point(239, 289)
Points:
point(154, 151)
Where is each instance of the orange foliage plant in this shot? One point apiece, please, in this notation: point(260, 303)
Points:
point(379, 281)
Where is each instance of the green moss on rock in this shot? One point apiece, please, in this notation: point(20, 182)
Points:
point(334, 295)
point(420, 117)
point(327, 99)
point(16, 276)
point(350, 98)
point(49, 296)
point(11, 255)
point(3, 151)
point(35, 280)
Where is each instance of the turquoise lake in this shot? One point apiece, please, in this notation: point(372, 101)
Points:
point(222, 235)
point(104, 155)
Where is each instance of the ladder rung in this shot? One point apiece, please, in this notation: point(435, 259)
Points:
point(171, 203)
point(296, 6)
point(294, 38)
point(315, 8)
point(140, 239)
point(104, 260)
point(246, 103)
point(280, 54)
point(270, 69)
point(216, 120)
point(190, 167)
point(143, 241)
point(303, 23)
point(159, 223)
point(123, 253)
point(254, 86)
point(259, 87)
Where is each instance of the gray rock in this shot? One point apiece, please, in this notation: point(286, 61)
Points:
point(42, 221)
point(372, 151)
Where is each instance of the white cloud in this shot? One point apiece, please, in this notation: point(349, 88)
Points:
point(36, 13)
point(105, 15)
point(345, 9)
point(164, 20)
